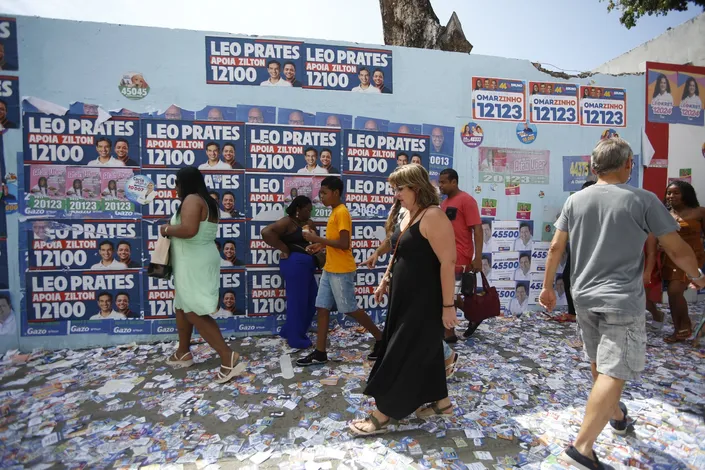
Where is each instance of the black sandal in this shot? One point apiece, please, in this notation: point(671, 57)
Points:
point(433, 410)
point(380, 428)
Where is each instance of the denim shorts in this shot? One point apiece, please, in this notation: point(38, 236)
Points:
point(616, 342)
point(337, 289)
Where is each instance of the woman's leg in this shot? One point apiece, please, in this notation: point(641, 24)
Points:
point(210, 331)
point(679, 308)
point(185, 330)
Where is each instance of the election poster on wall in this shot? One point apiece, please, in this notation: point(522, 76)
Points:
point(691, 88)
point(498, 99)
point(663, 98)
point(576, 170)
point(553, 103)
point(368, 197)
point(270, 194)
point(8, 38)
point(265, 292)
point(345, 68)
point(9, 102)
point(602, 106)
point(514, 166)
point(379, 153)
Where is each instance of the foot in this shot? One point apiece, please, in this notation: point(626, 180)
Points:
point(316, 357)
point(656, 325)
point(620, 426)
point(375, 423)
point(180, 359)
point(679, 336)
point(451, 339)
point(471, 329)
point(571, 456)
point(451, 364)
point(228, 362)
point(375, 351)
point(435, 409)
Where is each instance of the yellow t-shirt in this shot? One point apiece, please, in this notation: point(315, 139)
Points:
point(339, 261)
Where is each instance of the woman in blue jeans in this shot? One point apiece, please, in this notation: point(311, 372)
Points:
point(297, 268)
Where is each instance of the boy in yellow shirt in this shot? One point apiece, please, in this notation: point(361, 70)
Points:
point(337, 285)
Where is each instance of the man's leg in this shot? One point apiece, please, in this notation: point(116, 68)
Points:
point(324, 303)
point(323, 316)
point(366, 322)
point(601, 405)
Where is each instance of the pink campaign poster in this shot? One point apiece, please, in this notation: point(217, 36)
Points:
point(513, 167)
point(112, 183)
point(47, 181)
point(83, 183)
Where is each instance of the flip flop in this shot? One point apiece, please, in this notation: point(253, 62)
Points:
point(434, 410)
point(235, 370)
point(180, 362)
point(380, 428)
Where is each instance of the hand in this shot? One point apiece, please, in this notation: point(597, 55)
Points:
point(371, 261)
point(699, 284)
point(547, 299)
point(284, 255)
point(380, 291)
point(314, 248)
point(162, 229)
point(477, 265)
point(450, 317)
point(647, 278)
point(311, 237)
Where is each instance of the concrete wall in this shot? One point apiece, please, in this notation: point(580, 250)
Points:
point(681, 45)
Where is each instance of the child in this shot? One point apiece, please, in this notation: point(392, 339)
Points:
point(652, 283)
point(337, 285)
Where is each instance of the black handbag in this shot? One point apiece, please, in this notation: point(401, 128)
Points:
point(468, 283)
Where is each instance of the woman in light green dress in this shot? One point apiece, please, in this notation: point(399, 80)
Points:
point(196, 266)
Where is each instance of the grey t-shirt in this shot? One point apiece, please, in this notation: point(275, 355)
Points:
point(607, 225)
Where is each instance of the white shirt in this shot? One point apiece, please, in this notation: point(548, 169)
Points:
point(113, 316)
point(692, 101)
point(222, 313)
point(520, 276)
point(664, 99)
point(316, 171)
point(146, 200)
point(111, 162)
point(224, 262)
point(519, 245)
point(114, 264)
point(9, 326)
point(225, 215)
point(110, 193)
point(561, 299)
point(37, 190)
point(281, 82)
point(487, 246)
point(516, 308)
point(221, 165)
point(369, 89)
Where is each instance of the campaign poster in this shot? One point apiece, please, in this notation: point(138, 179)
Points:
point(259, 253)
point(112, 191)
point(576, 170)
point(488, 207)
point(298, 150)
point(523, 210)
point(158, 298)
point(257, 325)
point(404, 128)
point(441, 139)
point(232, 301)
point(90, 327)
point(600, 106)
point(539, 255)
point(79, 140)
point(217, 113)
point(379, 153)
point(9, 102)
point(4, 270)
point(342, 121)
point(535, 288)
point(691, 87)
point(270, 194)
point(368, 197)
point(228, 190)
point(505, 233)
point(231, 241)
point(366, 237)
point(266, 292)
point(295, 117)
point(504, 265)
point(514, 166)
point(347, 68)
point(218, 146)
point(166, 202)
point(498, 99)
point(365, 284)
point(131, 327)
point(662, 96)
point(506, 290)
point(83, 190)
point(60, 296)
point(254, 114)
point(553, 103)
point(45, 190)
point(94, 245)
point(257, 62)
point(8, 319)
point(371, 124)
point(164, 327)
point(8, 41)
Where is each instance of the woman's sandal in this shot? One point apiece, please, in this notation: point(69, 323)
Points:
point(175, 361)
point(678, 336)
point(235, 370)
point(380, 428)
point(451, 368)
point(433, 410)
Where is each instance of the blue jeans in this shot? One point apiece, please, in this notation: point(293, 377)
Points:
point(337, 289)
point(301, 290)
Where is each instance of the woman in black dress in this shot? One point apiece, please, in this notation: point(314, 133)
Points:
point(410, 370)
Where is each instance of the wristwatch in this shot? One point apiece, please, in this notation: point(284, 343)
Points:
point(700, 277)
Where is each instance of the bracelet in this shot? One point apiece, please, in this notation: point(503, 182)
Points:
point(166, 230)
point(449, 306)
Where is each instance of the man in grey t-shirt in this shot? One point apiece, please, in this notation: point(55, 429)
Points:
point(608, 224)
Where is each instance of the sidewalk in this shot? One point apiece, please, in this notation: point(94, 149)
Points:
point(519, 396)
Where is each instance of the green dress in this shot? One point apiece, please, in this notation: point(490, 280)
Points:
point(196, 266)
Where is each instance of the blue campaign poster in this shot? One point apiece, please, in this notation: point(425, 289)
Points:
point(217, 113)
point(295, 117)
point(405, 128)
point(344, 121)
point(266, 292)
point(371, 124)
point(368, 197)
point(379, 153)
point(355, 69)
point(576, 170)
point(8, 39)
point(442, 142)
point(254, 114)
point(9, 103)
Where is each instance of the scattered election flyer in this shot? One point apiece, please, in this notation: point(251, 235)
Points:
point(133, 86)
point(602, 106)
point(553, 103)
point(498, 99)
point(515, 166)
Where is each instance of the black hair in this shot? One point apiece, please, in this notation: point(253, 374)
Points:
point(524, 255)
point(217, 145)
point(521, 285)
point(217, 244)
point(524, 224)
point(333, 183)
point(102, 293)
point(4, 102)
point(587, 184)
point(451, 174)
point(685, 88)
point(229, 291)
point(121, 139)
point(487, 257)
point(225, 193)
point(217, 195)
point(189, 180)
point(73, 185)
point(402, 153)
point(104, 139)
point(296, 204)
point(122, 293)
point(363, 69)
point(228, 144)
point(124, 242)
point(112, 182)
point(327, 150)
point(6, 297)
point(309, 149)
point(690, 199)
point(288, 62)
point(229, 241)
point(106, 242)
point(39, 181)
point(274, 62)
point(378, 70)
point(658, 85)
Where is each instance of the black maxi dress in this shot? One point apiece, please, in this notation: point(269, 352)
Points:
point(410, 370)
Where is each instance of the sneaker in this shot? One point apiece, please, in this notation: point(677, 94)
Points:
point(620, 427)
point(316, 357)
point(471, 329)
point(571, 456)
point(375, 351)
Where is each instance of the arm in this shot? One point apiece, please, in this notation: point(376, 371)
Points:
point(650, 258)
point(271, 235)
point(190, 219)
point(479, 241)
point(384, 247)
point(548, 296)
point(344, 223)
point(475, 226)
point(438, 230)
point(682, 255)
